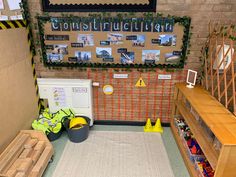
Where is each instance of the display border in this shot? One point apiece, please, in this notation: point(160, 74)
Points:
point(184, 21)
point(47, 7)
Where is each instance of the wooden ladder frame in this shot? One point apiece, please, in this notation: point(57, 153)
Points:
point(221, 83)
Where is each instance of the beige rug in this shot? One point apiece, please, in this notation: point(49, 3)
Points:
point(115, 154)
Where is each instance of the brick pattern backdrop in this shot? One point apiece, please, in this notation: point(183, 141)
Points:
point(137, 104)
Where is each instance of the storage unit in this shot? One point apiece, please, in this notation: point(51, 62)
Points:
point(68, 93)
point(212, 125)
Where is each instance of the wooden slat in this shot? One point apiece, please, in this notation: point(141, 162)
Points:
point(26, 153)
point(31, 143)
point(13, 153)
point(187, 161)
point(42, 162)
point(25, 165)
point(198, 133)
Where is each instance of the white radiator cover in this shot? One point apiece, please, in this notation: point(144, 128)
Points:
point(68, 93)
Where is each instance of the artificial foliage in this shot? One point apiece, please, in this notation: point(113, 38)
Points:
point(184, 21)
point(26, 17)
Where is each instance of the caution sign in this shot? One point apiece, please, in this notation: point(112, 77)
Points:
point(140, 83)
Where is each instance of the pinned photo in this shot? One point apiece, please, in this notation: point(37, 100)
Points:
point(83, 56)
point(86, 39)
point(127, 58)
point(51, 57)
point(103, 52)
point(167, 40)
point(150, 56)
point(173, 57)
point(60, 49)
point(115, 38)
point(139, 42)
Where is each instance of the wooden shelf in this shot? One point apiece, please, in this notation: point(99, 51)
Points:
point(199, 134)
point(217, 118)
point(187, 161)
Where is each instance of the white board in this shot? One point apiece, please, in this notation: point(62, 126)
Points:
point(14, 4)
point(1, 4)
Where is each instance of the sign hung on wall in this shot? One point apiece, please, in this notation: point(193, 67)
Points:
point(99, 5)
point(109, 42)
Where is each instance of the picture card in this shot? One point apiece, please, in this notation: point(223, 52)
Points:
point(76, 45)
point(3, 17)
point(85, 25)
point(168, 25)
point(121, 50)
point(173, 57)
point(158, 25)
point(126, 25)
point(86, 39)
point(110, 59)
point(156, 41)
point(72, 59)
point(95, 24)
point(59, 49)
point(57, 37)
point(102, 52)
point(51, 57)
point(150, 56)
point(16, 17)
point(83, 56)
point(106, 24)
point(127, 58)
point(104, 43)
point(139, 42)
point(115, 38)
point(131, 37)
point(167, 40)
point(49, 47)
point(147, 26)
point(136, 24)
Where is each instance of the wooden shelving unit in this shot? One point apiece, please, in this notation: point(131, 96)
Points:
point(219, 121)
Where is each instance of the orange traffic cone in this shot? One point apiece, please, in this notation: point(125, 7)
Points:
point(158, 127)
point(148, 126)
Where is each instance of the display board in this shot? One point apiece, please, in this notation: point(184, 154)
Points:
point(99, 5)
point(109, 42)
point(10, 10)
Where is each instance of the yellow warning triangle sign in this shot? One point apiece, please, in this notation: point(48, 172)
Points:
point(140, 83)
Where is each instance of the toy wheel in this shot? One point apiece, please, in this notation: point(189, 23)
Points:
point(51, 160)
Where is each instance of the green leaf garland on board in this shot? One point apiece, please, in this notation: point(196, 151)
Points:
point(184, 21)
point(26, 16)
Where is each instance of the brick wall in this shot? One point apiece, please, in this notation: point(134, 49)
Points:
point(136, 104)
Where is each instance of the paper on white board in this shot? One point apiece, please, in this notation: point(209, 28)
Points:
point(14, 4)
point(16, 17)
point(3, 18)
point(1, 4)
point(80, 97)
point(59, 97)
